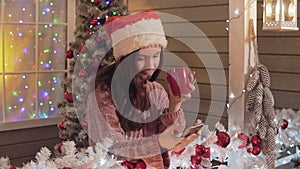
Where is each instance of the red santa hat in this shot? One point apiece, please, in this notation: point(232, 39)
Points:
point(130, 33)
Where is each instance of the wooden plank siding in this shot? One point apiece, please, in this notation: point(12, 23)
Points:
point(22, 145)
point(280, 52)
point(209, 16)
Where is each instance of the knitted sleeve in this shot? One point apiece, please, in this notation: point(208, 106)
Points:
point(104, 123)
point(169, 118)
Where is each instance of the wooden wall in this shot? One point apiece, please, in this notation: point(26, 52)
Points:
point(22, 145)
point(280, 52)
point(210, 17)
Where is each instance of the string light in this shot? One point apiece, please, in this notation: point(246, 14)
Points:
point(238, 14)
point(19, 55)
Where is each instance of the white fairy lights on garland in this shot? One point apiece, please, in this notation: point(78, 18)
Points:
point(238, 14)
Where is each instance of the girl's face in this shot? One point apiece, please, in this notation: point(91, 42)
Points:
point(147, 61)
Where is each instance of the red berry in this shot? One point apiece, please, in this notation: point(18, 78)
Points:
point(200, 149)
point(285, 124)
point(195, 159)
point(255, 140)
point(256, 150)
point(223, 139)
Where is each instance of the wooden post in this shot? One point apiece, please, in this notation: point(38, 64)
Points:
point(240, 58)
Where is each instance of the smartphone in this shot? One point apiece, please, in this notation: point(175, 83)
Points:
point(192, 129)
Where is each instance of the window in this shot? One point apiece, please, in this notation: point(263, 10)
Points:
point(32, 57)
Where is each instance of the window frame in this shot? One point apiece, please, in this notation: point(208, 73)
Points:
point(30, 123)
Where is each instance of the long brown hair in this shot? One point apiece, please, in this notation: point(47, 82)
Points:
point(104, 80)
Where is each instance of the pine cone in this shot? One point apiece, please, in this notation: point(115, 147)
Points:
point(250, 101)
point(270, 158)
point(270, 115)
point(254, 76)
point(264, 147)
point(265, 76)
point(262, 130)
point(268, 99)
point(259, 93)
point(256, 118)
point(270, 140)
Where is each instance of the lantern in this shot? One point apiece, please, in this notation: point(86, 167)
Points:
point(280, 15)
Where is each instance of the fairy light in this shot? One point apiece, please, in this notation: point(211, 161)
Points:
point(236, 11)
point(239, 13)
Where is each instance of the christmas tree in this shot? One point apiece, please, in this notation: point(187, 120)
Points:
point(90, 17)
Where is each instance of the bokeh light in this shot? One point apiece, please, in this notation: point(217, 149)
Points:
point(32, 62)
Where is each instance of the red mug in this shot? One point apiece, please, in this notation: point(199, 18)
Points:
point(179, 80)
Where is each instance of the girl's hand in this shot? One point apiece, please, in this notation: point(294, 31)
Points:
point(167, 139)
point(185, 141)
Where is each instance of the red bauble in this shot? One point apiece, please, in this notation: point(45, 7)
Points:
point(140, 165)
point(83, 73)
point(96, 2)
point(285, 124)
point(200, 149)
point(98, 39)
point(12, 167)
point(223, 139)
point(249, 150)
point(84, 123)
point(195, 159)
point(62, 125)
point(255, 140)
point(69, 97)
point(128, 165)
point(256, 150)
point(81, 48)
point(69, 54)
point(59, 146)
point(94, 21)
point(96, 64)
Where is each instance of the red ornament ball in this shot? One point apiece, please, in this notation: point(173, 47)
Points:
point(200, 149)
point(81, 48)
point(59, 146)
point(195, 159)
point(94, 21)
point(140, 165)
point(256, 150)
point(69, 54)
point(255, 140)
point(69, 96)
point(12, 167)
point(83, 73)
point(98, 39)
point(62, 125)
point(223, 139)
point(96, 64)
point(285, 124)
point(128, 165)
point(96, 2)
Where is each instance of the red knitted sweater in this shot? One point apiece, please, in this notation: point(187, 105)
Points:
point(103, 122)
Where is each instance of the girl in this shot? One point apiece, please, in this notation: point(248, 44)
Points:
point(128, 106)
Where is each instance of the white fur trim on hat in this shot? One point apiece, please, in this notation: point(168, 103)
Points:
point(140, 34)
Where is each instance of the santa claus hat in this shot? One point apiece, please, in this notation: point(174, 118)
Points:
point(130, 33)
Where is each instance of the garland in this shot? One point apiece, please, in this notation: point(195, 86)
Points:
point(213, 149)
